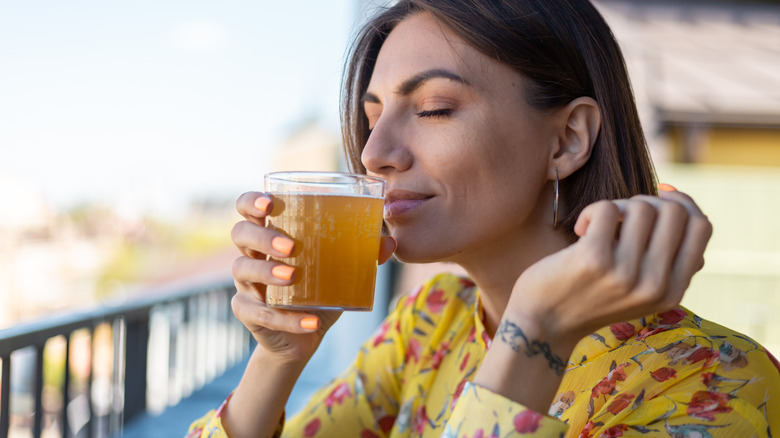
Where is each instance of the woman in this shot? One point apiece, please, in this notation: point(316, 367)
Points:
point(509, 138)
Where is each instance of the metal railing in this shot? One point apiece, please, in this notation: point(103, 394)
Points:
point(86, 374)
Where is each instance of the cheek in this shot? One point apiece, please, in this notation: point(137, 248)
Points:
point(501, 158)
point(449, 157)
point(508, 176)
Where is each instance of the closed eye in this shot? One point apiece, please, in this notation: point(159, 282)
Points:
point(435, 113)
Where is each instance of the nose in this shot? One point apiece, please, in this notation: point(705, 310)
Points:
point(386, 150)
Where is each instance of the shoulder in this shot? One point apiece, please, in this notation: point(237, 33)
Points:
point(674, 361)
point(724, 367)
point(733, 350)
point(685, 337)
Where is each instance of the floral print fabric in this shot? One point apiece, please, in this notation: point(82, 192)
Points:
point(670, 374)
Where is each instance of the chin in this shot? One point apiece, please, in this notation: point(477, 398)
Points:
point(412, 258)
point(418, 252)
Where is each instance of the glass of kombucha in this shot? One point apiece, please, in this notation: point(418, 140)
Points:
point(335, 220)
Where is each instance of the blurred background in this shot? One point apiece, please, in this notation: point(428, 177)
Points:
point(128, 129)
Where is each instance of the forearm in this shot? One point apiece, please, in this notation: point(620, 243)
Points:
point(258, 402)
point(523, 366)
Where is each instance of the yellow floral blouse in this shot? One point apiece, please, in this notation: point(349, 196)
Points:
point(669, 374)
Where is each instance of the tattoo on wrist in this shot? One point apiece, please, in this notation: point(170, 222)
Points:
point(513, 336)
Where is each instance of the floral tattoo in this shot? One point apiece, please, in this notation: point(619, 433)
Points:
point(513, 336)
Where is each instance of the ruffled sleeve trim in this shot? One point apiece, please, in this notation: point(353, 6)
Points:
point(210, 425)
point(481, 412)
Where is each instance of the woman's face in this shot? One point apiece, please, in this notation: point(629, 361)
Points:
point(465, 157)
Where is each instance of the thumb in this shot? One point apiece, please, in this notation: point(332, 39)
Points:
point(387, 246)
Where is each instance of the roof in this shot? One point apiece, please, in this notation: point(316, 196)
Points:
point(710, 62)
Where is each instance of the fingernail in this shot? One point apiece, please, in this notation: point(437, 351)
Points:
point(283, 272)
point(262, 203)
point(666, 187)
point(283, 245)
point(310, 323)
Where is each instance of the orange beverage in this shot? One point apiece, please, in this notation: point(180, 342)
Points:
point(336, 249)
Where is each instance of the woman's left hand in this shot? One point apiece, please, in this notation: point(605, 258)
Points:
point(634, 257)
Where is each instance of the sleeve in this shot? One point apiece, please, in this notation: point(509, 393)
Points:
point(198, 426)
point(481, 412)
point(362, 401)
point(210, 424)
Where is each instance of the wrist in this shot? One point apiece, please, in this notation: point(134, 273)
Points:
point(284, 364)
point(524, 364)
point(532, 342)
point(541, 325)
point(257, 404)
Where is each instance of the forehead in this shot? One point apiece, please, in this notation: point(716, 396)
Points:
point(420, 43)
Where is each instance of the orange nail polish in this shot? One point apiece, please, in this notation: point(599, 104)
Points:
point(283, 245)
point(310, 323)
point(283, 272)
point(262, 203)
point(666, 187)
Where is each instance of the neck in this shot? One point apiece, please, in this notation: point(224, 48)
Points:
point(496, 266)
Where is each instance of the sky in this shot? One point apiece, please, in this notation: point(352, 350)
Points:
point(158, 102)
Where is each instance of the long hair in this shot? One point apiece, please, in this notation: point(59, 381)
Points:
point(563, 48)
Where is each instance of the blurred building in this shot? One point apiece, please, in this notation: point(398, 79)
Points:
point(53, 260)
point(45, 264)
point(706, 75)
point(310, 146)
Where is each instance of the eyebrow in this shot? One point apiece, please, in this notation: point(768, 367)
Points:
point(416, 81)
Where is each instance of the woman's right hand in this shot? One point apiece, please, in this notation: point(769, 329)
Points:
point(292, 336)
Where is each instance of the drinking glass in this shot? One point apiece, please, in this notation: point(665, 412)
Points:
point(335, 220)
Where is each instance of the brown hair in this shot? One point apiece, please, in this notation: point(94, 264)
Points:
point(564, 48)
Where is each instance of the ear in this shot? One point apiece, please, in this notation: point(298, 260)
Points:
point(578, 126)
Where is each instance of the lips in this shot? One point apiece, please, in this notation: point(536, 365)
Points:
point(399, 202)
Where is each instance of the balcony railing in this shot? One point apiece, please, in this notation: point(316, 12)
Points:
point(86, 374)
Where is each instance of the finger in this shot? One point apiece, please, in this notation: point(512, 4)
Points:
point(387, 246)
point(256, 241)
point(598, 223)
point(690, 257)
point(250, 270)
point(667, 193)
point(254, 206)
point(255, 289)
point(256, 315)
point(700, 222)
point(663, 254)
point(638, 222)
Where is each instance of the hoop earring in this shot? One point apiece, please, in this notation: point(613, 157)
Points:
point(555, 201)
